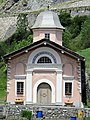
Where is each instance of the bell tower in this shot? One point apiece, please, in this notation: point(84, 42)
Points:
point(48, 26)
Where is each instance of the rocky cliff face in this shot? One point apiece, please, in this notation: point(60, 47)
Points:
point(16, 6)
point(11, 8)
point(7, 27)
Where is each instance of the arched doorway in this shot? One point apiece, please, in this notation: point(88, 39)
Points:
point(44, 94)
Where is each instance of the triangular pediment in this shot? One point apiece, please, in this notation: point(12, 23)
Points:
point(44, 43)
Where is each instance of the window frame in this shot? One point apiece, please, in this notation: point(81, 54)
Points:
point(68, 91)
point(47, 36)
point(50, 57)
point(16, 81)
point(44, 61)
point(20, 88)
point(68, 81)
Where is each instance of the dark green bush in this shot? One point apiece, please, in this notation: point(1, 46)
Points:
point(65, 18)
point(26, 114)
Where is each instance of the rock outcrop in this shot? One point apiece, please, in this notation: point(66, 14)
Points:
point(11, 8)
point(7, 27)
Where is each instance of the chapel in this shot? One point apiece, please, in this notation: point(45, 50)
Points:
point(46, 72)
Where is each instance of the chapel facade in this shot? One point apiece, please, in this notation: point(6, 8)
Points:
point(45, 72)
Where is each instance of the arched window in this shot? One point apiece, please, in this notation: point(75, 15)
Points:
point(44, 59)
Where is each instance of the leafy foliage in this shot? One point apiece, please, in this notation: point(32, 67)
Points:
point(76, 25)
point(23, 43)
point(26, 114)
point(76, 44)
point(22, 24)
point(66, 38)
point(2, 81)
point(76, 35)
point(65, 18)
point(86, 54)
point(85, 32)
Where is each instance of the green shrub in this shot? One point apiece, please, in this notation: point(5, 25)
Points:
point(26, 114)
point(86, 118)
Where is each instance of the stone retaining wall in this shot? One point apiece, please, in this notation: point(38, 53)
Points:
point(49, 112)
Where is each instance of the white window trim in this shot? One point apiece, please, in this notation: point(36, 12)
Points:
point(50, 50)
point(68, 81)
point(16, 87)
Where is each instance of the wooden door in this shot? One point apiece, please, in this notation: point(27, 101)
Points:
point(44, 94)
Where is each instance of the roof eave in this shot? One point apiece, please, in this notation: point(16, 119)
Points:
point(34, 45)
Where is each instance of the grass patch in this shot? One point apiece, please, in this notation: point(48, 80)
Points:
point(2, 94)
point(86, 54)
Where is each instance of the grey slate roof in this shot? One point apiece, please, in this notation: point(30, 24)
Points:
point(47, 19)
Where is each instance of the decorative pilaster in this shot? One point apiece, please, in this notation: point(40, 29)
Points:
point(29, 87)
point(59, 87)
point(8, 75)
point(79, 77)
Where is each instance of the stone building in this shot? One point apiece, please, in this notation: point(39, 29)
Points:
point(45, 72)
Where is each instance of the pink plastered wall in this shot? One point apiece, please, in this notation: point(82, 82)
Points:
point(55, 35)
point(69, 68)
point(11, 97)
point(17, 66)
point(37, 75)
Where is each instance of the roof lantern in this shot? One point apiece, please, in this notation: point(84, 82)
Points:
point(48, 26)
point(47, 19)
